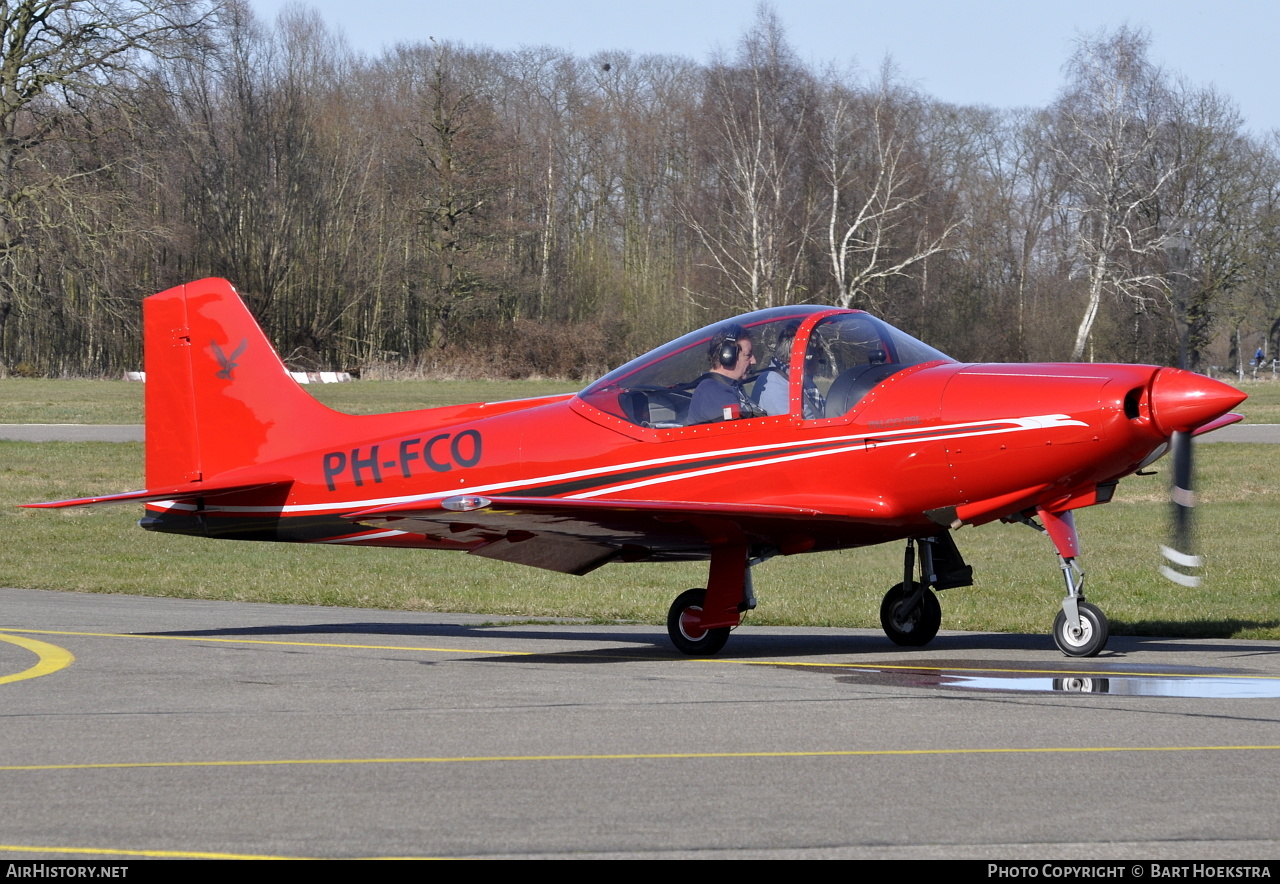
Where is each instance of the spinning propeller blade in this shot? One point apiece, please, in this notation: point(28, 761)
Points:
point(1183, 564)
point(1182, 404)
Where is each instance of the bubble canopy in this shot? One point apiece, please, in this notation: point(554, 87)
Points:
point(814, 360)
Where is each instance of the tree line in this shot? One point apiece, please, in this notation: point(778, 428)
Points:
point(454, 209)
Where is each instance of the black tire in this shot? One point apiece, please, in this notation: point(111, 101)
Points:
point(916, 629)
point(1094, 632)
point(688, 640)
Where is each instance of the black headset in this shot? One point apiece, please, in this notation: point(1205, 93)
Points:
point(724, 346)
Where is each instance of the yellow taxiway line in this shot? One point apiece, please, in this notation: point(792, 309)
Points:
point(52, 658)
point(633, 756)
point(263, 641)
point(153, 854)
point(875, 667)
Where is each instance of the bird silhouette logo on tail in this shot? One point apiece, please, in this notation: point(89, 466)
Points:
point(228, 363)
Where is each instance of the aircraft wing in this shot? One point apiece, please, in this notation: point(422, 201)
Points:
point(578, 536)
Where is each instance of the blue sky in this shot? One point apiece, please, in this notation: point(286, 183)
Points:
point(995, 52)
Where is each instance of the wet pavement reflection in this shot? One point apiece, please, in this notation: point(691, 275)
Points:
point(1208, 684)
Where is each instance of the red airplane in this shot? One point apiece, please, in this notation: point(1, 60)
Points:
point(820, 429)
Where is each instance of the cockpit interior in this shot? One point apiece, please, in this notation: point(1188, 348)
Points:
point(811, 361)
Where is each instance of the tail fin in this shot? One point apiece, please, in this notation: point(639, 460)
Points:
point(218, 397)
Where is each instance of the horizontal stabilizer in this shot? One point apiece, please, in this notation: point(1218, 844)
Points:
point(177, 492)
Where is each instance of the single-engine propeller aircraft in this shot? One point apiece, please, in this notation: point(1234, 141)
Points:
point(820, 429)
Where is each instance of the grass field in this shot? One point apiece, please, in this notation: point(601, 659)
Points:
point(1018, 585)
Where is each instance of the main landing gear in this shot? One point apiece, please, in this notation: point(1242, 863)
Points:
point(910, 617)
point(910, 613)
point(700, 620)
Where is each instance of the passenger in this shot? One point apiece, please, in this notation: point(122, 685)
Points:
point(772, 391)
point(719, 395)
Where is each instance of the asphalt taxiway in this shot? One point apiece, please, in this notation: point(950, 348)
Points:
point(165, 727)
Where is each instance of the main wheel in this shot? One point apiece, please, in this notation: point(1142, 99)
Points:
point(916, 628)
point(1089, 640)
point(682, 625)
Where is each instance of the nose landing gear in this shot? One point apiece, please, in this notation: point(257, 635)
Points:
point(1080, 629)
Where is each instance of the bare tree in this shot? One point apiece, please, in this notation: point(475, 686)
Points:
point(457, 163)
point(1215, 212)
point(59, 59)
point(755, 219)
point(404, 206)
point(1008, 199)
point(1107, 127)
point(878, 189)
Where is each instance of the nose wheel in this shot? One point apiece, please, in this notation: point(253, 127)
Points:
point(1085, 640)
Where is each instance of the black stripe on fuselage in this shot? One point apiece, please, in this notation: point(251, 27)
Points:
point(590, 483)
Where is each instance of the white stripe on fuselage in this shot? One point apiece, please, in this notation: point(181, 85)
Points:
point(368, 535)
point(882, 439)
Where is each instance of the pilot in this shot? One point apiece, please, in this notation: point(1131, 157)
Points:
point(719, 395)
point(772, 392)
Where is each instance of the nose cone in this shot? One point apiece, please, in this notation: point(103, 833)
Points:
point(1183, 400)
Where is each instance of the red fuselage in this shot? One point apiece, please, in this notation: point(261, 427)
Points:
point(934, 445)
